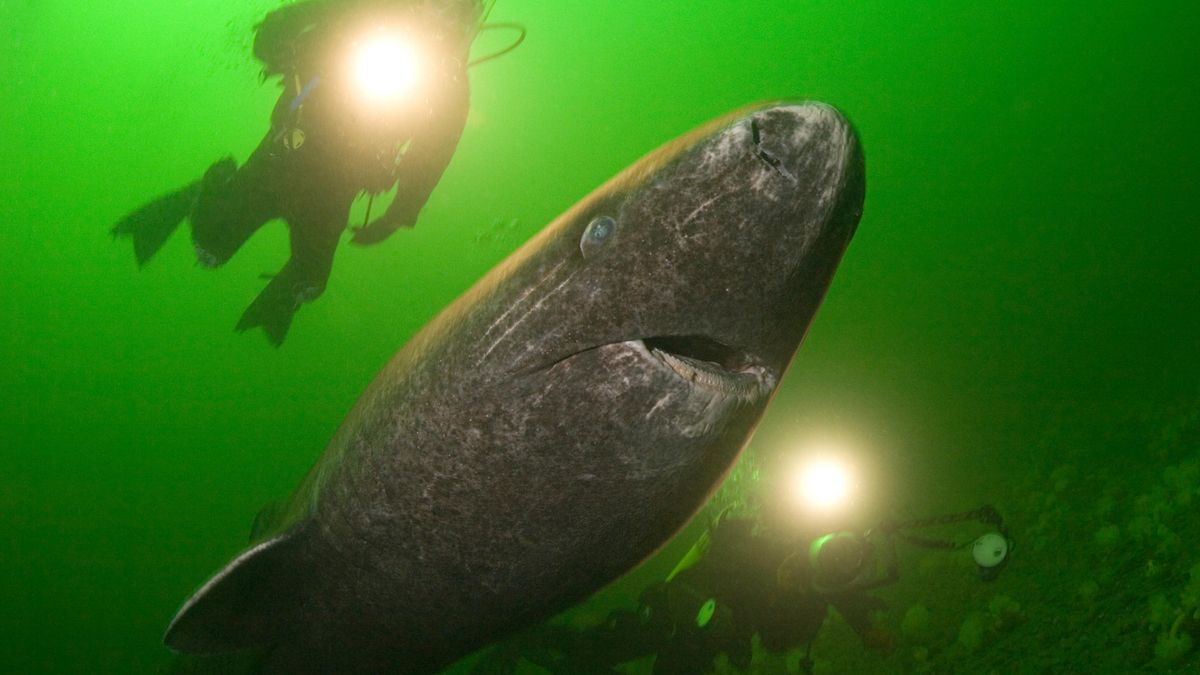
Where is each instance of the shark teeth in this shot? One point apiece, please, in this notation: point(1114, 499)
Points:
point(745, 385)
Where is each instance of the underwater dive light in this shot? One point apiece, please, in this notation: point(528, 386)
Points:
point(386, 67)
point(825, 484)
point(990, 550)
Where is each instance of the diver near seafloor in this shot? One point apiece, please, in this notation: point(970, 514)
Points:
point(375, 97)
point(738, 581)
point(735, 582)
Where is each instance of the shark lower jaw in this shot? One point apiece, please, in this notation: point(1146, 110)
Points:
point(711, 365)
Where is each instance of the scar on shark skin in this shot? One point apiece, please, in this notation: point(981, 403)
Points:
point(765, 155)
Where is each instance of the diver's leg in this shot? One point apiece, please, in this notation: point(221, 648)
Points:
point(233, 204)
point(314, 238)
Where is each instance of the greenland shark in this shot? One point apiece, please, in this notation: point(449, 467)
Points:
point(559, 422)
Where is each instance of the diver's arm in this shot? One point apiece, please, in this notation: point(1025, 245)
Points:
point(276, 35)
point(422, 165)
point(856, 608)
point(884, 564)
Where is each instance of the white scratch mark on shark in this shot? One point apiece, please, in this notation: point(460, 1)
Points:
point(529, 311)
point(660, 403)
point(512, 308)
point(701, 208)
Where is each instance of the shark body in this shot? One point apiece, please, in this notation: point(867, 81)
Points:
point(560, 421)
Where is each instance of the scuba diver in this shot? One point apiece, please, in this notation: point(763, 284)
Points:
point(375, 97)
point(732, 584)
point(736, 582)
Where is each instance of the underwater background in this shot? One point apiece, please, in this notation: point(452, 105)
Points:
point(1016, 323)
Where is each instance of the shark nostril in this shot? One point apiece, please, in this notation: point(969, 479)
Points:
point(766, 156)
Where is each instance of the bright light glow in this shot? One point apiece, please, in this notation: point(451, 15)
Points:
point(386, 68)
point(825, 484)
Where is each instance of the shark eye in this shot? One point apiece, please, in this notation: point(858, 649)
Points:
point(599, 231)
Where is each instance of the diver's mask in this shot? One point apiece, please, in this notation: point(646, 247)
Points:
point(837, 560)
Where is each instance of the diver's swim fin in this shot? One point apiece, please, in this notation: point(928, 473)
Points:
point(150, 225)
point(272, 309)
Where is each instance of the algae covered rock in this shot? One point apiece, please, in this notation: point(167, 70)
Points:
point(971, 632)
point(1004, 613)
point(915, 624)
point(1172, 646)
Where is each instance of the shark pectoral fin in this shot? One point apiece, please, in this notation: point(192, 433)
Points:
point(244, 606)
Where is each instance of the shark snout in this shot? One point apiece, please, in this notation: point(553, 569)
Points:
point(800, 142)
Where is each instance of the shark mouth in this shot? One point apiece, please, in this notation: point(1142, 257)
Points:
point(711, 365)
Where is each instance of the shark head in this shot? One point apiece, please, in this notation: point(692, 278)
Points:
point(712, 252)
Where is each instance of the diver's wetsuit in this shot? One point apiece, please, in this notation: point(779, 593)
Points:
point(325, 146)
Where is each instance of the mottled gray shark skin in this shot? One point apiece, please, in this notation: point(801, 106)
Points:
point(560, 421)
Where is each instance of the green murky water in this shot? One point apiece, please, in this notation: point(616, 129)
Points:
point(1016, 321)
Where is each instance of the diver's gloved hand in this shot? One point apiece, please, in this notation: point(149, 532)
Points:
point(382, 228)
